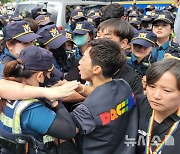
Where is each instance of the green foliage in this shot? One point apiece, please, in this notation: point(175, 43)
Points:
point(5, 1)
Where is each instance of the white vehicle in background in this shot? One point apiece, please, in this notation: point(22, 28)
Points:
point(59, 10)
point(10, 6)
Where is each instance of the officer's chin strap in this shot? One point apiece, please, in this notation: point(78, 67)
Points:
point(22, 139)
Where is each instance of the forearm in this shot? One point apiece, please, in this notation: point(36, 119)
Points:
point(14, 90)
point(75, 97)
point(84, 90)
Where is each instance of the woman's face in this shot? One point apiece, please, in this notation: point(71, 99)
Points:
point(37, 78)
point(16, 48)
point(139, 51)
point(162, 29)
point(164, 95)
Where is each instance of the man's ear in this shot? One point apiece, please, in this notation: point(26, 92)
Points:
point(97, 69)
point(40, 77)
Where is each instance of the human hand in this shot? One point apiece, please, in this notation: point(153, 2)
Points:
point(60, 83)
point(59, 92)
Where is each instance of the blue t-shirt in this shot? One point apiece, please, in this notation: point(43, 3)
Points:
point(37, 119)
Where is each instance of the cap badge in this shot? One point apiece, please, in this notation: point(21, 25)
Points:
point(161, 16)
point(79, 26)
point(26, 28)
point(142, 35)
point(80, 14)
point(54, 32)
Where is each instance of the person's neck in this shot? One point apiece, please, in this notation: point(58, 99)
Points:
point(161, 41)
point(83, 48)
point(98, 81)
point(139, 59)
point(160, 116)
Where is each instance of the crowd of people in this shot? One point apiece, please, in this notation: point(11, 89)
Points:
point(108, 83)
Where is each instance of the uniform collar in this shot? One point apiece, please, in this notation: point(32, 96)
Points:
point(133, 57)
point(164, 46)
point(6, 51)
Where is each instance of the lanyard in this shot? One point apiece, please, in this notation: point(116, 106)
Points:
point(161, 145)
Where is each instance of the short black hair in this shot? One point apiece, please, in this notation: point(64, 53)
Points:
point(157, 69)
point(107, 54)
point(120, 28)
point(114, 10)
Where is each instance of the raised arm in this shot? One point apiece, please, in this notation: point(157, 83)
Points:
point(12, 90)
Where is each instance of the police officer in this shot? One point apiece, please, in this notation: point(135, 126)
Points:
point(136, 22)
point(43, 20)
point(163, 27)
point(34, 117)
point(53, 40)
point(17, 36)
point(139, 57)
point(83, 33)
point(76, 16)
point(147, 22)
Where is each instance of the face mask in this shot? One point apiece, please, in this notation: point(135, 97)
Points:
point(70, 51)
point(47, 82)
point(80, 40)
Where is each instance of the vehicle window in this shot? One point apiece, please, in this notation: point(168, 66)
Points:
point(86, 8)
point(25, 9)
point(53, 10)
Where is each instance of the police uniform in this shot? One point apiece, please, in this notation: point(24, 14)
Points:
point(20, 31)
point(145, 39)
point(4, 58)
point(141, 67)
point(73, 74)
point(105, 117)
point(54, 39)
point(135, 22)
point(35, 117)
point(22, 117)
point(81, 29)
point(159, 130)
point(76, 15)
point(159, 51)
point(43, 20)
point(168, 47)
